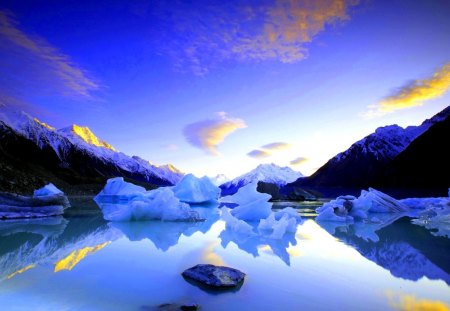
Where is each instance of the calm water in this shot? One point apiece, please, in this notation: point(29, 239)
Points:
point(81, 262)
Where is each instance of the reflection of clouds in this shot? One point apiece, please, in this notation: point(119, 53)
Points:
point(414, 93)
point(412, 303)
point(210, 257)
point(217, 32)
point(208, 134)
point(32, 64)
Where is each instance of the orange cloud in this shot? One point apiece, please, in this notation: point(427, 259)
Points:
point(411, 303)
point(259, 154)
point(414, 93)
point(299, 161)
point(208, 134)
point(276, 146)
point(279, 30)
point(38, 64)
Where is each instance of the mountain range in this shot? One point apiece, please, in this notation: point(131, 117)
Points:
point(33, 153)
point(412, 159)
point(268, 173)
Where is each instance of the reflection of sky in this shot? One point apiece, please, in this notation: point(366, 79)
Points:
point(135, 271)
point(139, 72)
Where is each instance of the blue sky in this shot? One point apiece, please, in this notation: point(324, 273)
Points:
point(220, 88)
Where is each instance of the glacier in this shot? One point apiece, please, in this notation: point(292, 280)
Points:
point(195, 190)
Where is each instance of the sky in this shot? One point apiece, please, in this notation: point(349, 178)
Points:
point(223, 86)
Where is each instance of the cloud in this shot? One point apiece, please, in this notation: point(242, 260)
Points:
point(29, 64)
point(414, 93)
point(259, 154)
point(208, 134)
point(271, 30)
point(277, 146)
point(268, 150)
point(299, 161)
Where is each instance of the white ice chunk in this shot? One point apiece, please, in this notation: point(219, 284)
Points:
point(49, 189)
point(160, 204)
point(118, 189)
point(378, 202)
point(236, 225)
point(329, 215)
point(195, 190)
point(252, 205)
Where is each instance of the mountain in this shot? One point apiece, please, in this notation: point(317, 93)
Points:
point(424, 164)
point(363, 163)
point(219, 179)
point(269, 173)
point(33, 153)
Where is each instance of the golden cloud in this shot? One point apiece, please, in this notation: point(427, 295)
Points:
point(208, 134)
point(38, 64)
point(411, 303)
point(414, 93)
point(299, 161)
point(259, 154)
point(276, 146)
point(278, 30)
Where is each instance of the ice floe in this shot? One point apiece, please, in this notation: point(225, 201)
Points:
point(195, 190)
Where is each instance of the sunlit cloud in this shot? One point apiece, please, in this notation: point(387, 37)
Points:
point(272, 30)
point(414, 93)
point(208, 134)
point(277, 146)
point(31, 64)
point(299, 161)
point(259, 154)
point(268, 150)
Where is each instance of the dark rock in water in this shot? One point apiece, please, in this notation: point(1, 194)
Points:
point(173, 307)
point(189, 306)
point(215, 276)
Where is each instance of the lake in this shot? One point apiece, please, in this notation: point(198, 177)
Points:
point(82, 262)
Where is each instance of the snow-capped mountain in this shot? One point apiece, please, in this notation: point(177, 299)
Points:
point(365, 159)
point(269, 173)
point(76, 149)
point(219, 179)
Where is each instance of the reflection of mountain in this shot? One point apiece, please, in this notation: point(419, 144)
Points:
point(407, 251)
point(254, 244)
point(27, 243)
point(164, 235)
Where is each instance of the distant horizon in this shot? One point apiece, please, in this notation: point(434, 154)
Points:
point(223, 87)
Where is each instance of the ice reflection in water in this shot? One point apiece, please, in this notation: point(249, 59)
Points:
point(139, 264)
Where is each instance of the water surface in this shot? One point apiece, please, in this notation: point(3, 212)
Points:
point(81, 262)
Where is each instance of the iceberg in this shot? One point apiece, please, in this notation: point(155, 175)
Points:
point(47, 201)
point(158, 204)
point(116, 189)
point(236, 225)
point(195, 190)
point(252, 205)
point(348, 208)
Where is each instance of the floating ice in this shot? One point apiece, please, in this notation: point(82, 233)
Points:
point(195, 190)
point(253, 205)
point(348, 208)
point(236, 225)
point(49, 189)
point(123, 201)
point(47, 201)
point(116, 189)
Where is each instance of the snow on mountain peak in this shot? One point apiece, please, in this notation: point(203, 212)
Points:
point(44, 124)
point(270, 173)
point(87, 136)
